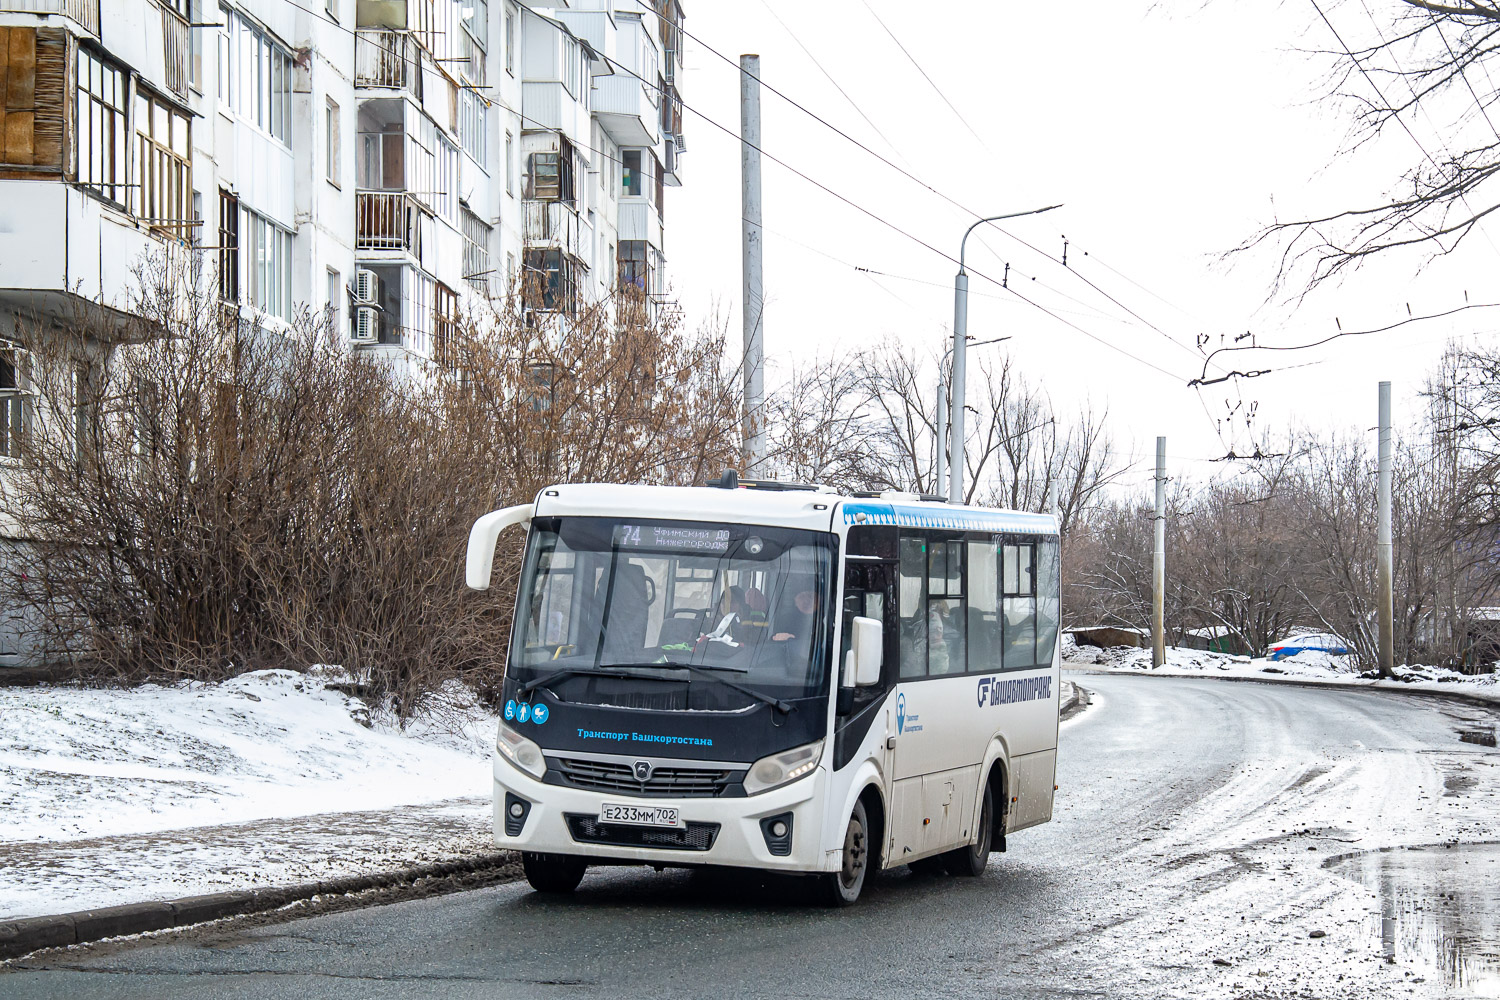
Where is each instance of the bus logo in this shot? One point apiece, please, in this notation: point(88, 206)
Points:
point(900, 712)
point(643, 770)
point(984, 690)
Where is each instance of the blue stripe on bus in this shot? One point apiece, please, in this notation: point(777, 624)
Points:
point(960, 519)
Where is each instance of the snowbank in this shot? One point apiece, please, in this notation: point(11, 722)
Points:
point(78, 763)
point(1305, 667)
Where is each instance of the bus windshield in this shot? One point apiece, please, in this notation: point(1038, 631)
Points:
point(748, 603)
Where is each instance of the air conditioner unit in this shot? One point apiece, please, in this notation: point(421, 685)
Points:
point(366, 288)
point(366, 324)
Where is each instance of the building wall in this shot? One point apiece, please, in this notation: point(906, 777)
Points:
point(567, 72)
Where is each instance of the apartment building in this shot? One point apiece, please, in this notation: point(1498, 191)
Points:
point(387, 160)
point(393, 162)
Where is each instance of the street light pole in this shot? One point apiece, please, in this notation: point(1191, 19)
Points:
point(941, 485)
point(960, 362)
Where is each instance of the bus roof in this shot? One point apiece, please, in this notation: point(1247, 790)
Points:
point(816, 510)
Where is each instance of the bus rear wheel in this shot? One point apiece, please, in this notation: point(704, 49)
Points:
point(556, 873)
point(970, 861)
point(842, 888)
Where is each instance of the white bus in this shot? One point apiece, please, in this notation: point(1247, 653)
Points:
point(780, 678)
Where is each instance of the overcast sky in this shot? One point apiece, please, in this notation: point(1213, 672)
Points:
point(1169, 137)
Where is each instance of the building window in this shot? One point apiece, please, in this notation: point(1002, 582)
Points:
point(195, 43)
point(332, 142)
point(550, 175)
point(510, 41)
point(163, 170)
point(335, 301)
point(476, 252)
point(331, 8)
point(13, 415)
point(229, 246)
point(445, 330)
point(473, 126)
point(635, 265)
point(101, 126)
point(510, 164)
point(661, 187)
point(268, 265)
point(258, 76)
point(630, 173)
point(551, 280)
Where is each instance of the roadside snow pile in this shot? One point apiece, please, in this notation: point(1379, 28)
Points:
point(1308, 666)
point(78, 763)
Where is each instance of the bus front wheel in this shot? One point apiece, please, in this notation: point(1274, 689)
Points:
point(842, 888)
point(558, 873)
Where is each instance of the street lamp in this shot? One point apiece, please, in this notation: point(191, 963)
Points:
point(960, 335)
point(942, 415)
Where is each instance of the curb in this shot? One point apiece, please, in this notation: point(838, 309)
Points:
point(19, 937)
point(1463, 696)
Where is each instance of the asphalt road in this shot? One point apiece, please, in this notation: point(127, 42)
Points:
point(1185, 858)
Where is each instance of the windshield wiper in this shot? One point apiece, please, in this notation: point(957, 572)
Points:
point(785, 708)
point(567, 672)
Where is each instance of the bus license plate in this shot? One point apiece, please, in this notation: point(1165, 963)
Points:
point(614, 812)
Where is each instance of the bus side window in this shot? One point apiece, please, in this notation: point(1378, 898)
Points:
point(1019, 580)
point(913, 606)
point(1047, 600)
point(945, 608)
point(984, 606)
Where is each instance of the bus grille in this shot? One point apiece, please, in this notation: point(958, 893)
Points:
point(613, 776)
point(588, 830)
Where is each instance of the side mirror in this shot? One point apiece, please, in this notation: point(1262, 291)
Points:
point(868, 651)
point(482, 539)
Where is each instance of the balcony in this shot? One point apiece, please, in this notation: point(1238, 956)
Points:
point(550, 224)
point(627, 110)
point(388, 220)
point(386, 57)
point(640, 221)
point(85, 12)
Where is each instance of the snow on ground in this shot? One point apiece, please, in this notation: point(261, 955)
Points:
point(109, 795)
point(1305, 667)
point(78, 763)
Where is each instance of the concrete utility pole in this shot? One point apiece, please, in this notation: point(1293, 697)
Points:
point(753, 301)
point(1159, 561)
point(960, 335)
point(1384, 603)
point(941, 486)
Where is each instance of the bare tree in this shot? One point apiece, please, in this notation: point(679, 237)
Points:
point(1423, 60)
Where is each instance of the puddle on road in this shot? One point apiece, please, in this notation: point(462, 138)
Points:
point(1479, 737)
point(1440, 908)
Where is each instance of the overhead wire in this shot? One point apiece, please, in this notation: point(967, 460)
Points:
point(836, 85)
point(615, 64)
point(930, 82)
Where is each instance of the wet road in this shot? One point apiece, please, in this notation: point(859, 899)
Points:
point(1192, 854)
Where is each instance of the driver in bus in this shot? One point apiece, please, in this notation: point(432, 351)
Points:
point(796, 621)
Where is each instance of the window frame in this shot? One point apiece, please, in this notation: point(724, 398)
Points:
point(268, 274)
point(917, 593)
point(333, 130)
point(161, 174)
point(91, 169)
point(15, 413)
point(257, 77)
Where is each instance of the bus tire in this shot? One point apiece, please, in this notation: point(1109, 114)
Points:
point(970, 861)
point(842, 888)
point(555, 873)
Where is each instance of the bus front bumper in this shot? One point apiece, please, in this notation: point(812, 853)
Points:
point(557, 817)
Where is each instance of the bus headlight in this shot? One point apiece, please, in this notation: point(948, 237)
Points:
point(520, 751)
point(781, 768)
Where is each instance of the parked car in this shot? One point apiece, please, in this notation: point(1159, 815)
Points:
point(1317, 642)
